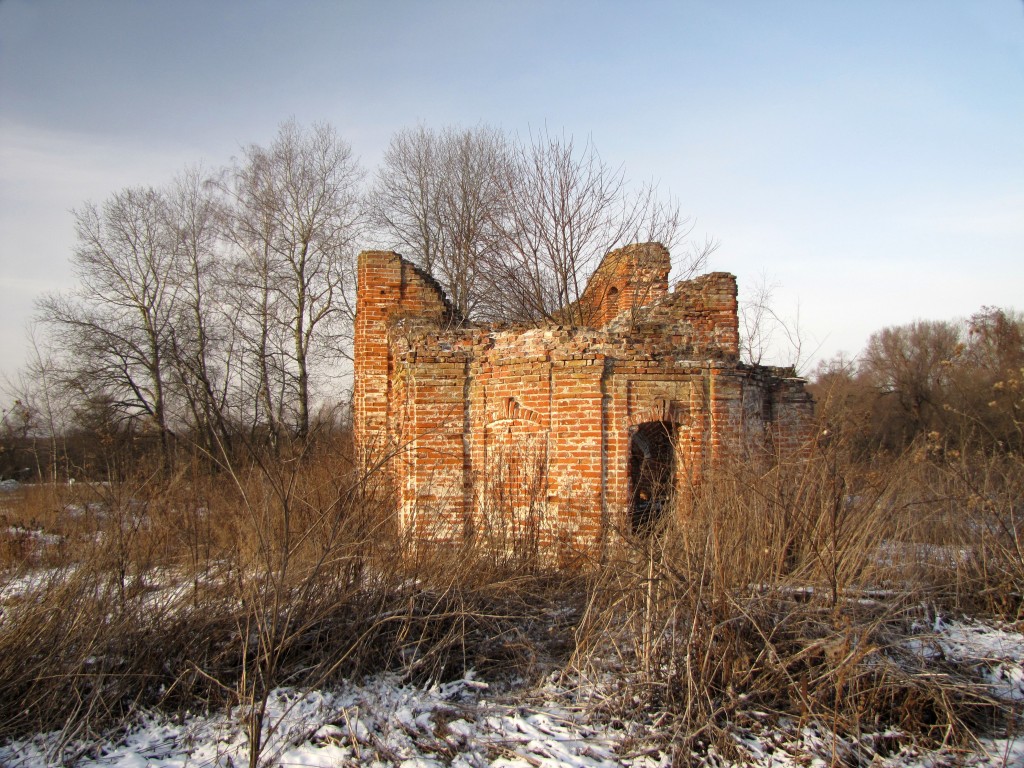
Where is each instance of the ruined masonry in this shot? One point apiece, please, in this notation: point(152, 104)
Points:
point(559, 437)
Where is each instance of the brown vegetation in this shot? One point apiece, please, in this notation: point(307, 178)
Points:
point(220, 540)
point(786, 592)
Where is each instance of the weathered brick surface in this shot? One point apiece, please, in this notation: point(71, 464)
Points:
point(524, 436)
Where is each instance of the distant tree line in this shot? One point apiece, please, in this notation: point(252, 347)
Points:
point(216, 312)
point(942, 386)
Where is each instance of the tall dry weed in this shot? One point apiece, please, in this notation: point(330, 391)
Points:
point(787, 590)
point(782, 588)
point(199, 591)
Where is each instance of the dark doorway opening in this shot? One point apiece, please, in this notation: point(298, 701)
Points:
point(651, 473)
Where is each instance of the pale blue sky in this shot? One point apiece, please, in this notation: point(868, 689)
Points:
point(866, 156)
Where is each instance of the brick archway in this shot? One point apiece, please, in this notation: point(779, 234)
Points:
point(511, 488)
point(675, 411)
point(652, 471)
point(509, 410)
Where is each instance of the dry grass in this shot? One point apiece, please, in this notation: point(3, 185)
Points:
point(784, 590)
point(793, 592)
point(200, 592)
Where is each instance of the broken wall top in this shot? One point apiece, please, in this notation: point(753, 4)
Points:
point(630, 309)
point(626, 279)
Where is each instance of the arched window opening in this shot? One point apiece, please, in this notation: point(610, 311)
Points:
point(651, 474)
point(610, 308)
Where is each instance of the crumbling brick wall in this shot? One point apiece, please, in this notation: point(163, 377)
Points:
point(542, 434)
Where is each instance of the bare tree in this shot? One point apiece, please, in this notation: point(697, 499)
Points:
point(404, 203)
point(17, 421)
point(561, 219)
point(115, 328)
point(767, 336)
point(200, 337)
point(257, 330)
point(566, 209)
point(439, 198)
point(910, 368)
point(759, 323)
point(295, 219)
point(513, 229)
point(38, 389)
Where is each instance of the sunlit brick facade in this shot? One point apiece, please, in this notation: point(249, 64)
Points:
point(558, 435)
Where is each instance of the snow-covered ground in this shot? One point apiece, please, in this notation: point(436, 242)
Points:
point(381, 721)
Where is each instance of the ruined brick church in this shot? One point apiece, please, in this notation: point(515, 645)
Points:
point(560, 436)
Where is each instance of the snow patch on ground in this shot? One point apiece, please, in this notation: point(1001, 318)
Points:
point(996, 653)
point(39, 536)
point(383, 721)
point(380, 722)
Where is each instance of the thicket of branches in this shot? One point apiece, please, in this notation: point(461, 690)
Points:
point(798, 592)
point(513, 229)
point(958, 385)
point(216, 312)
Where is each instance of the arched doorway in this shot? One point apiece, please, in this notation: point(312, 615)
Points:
point(651, 473)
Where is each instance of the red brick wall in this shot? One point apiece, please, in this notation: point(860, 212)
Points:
point(522, 437)
point(626, 280)
point(388, 287)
